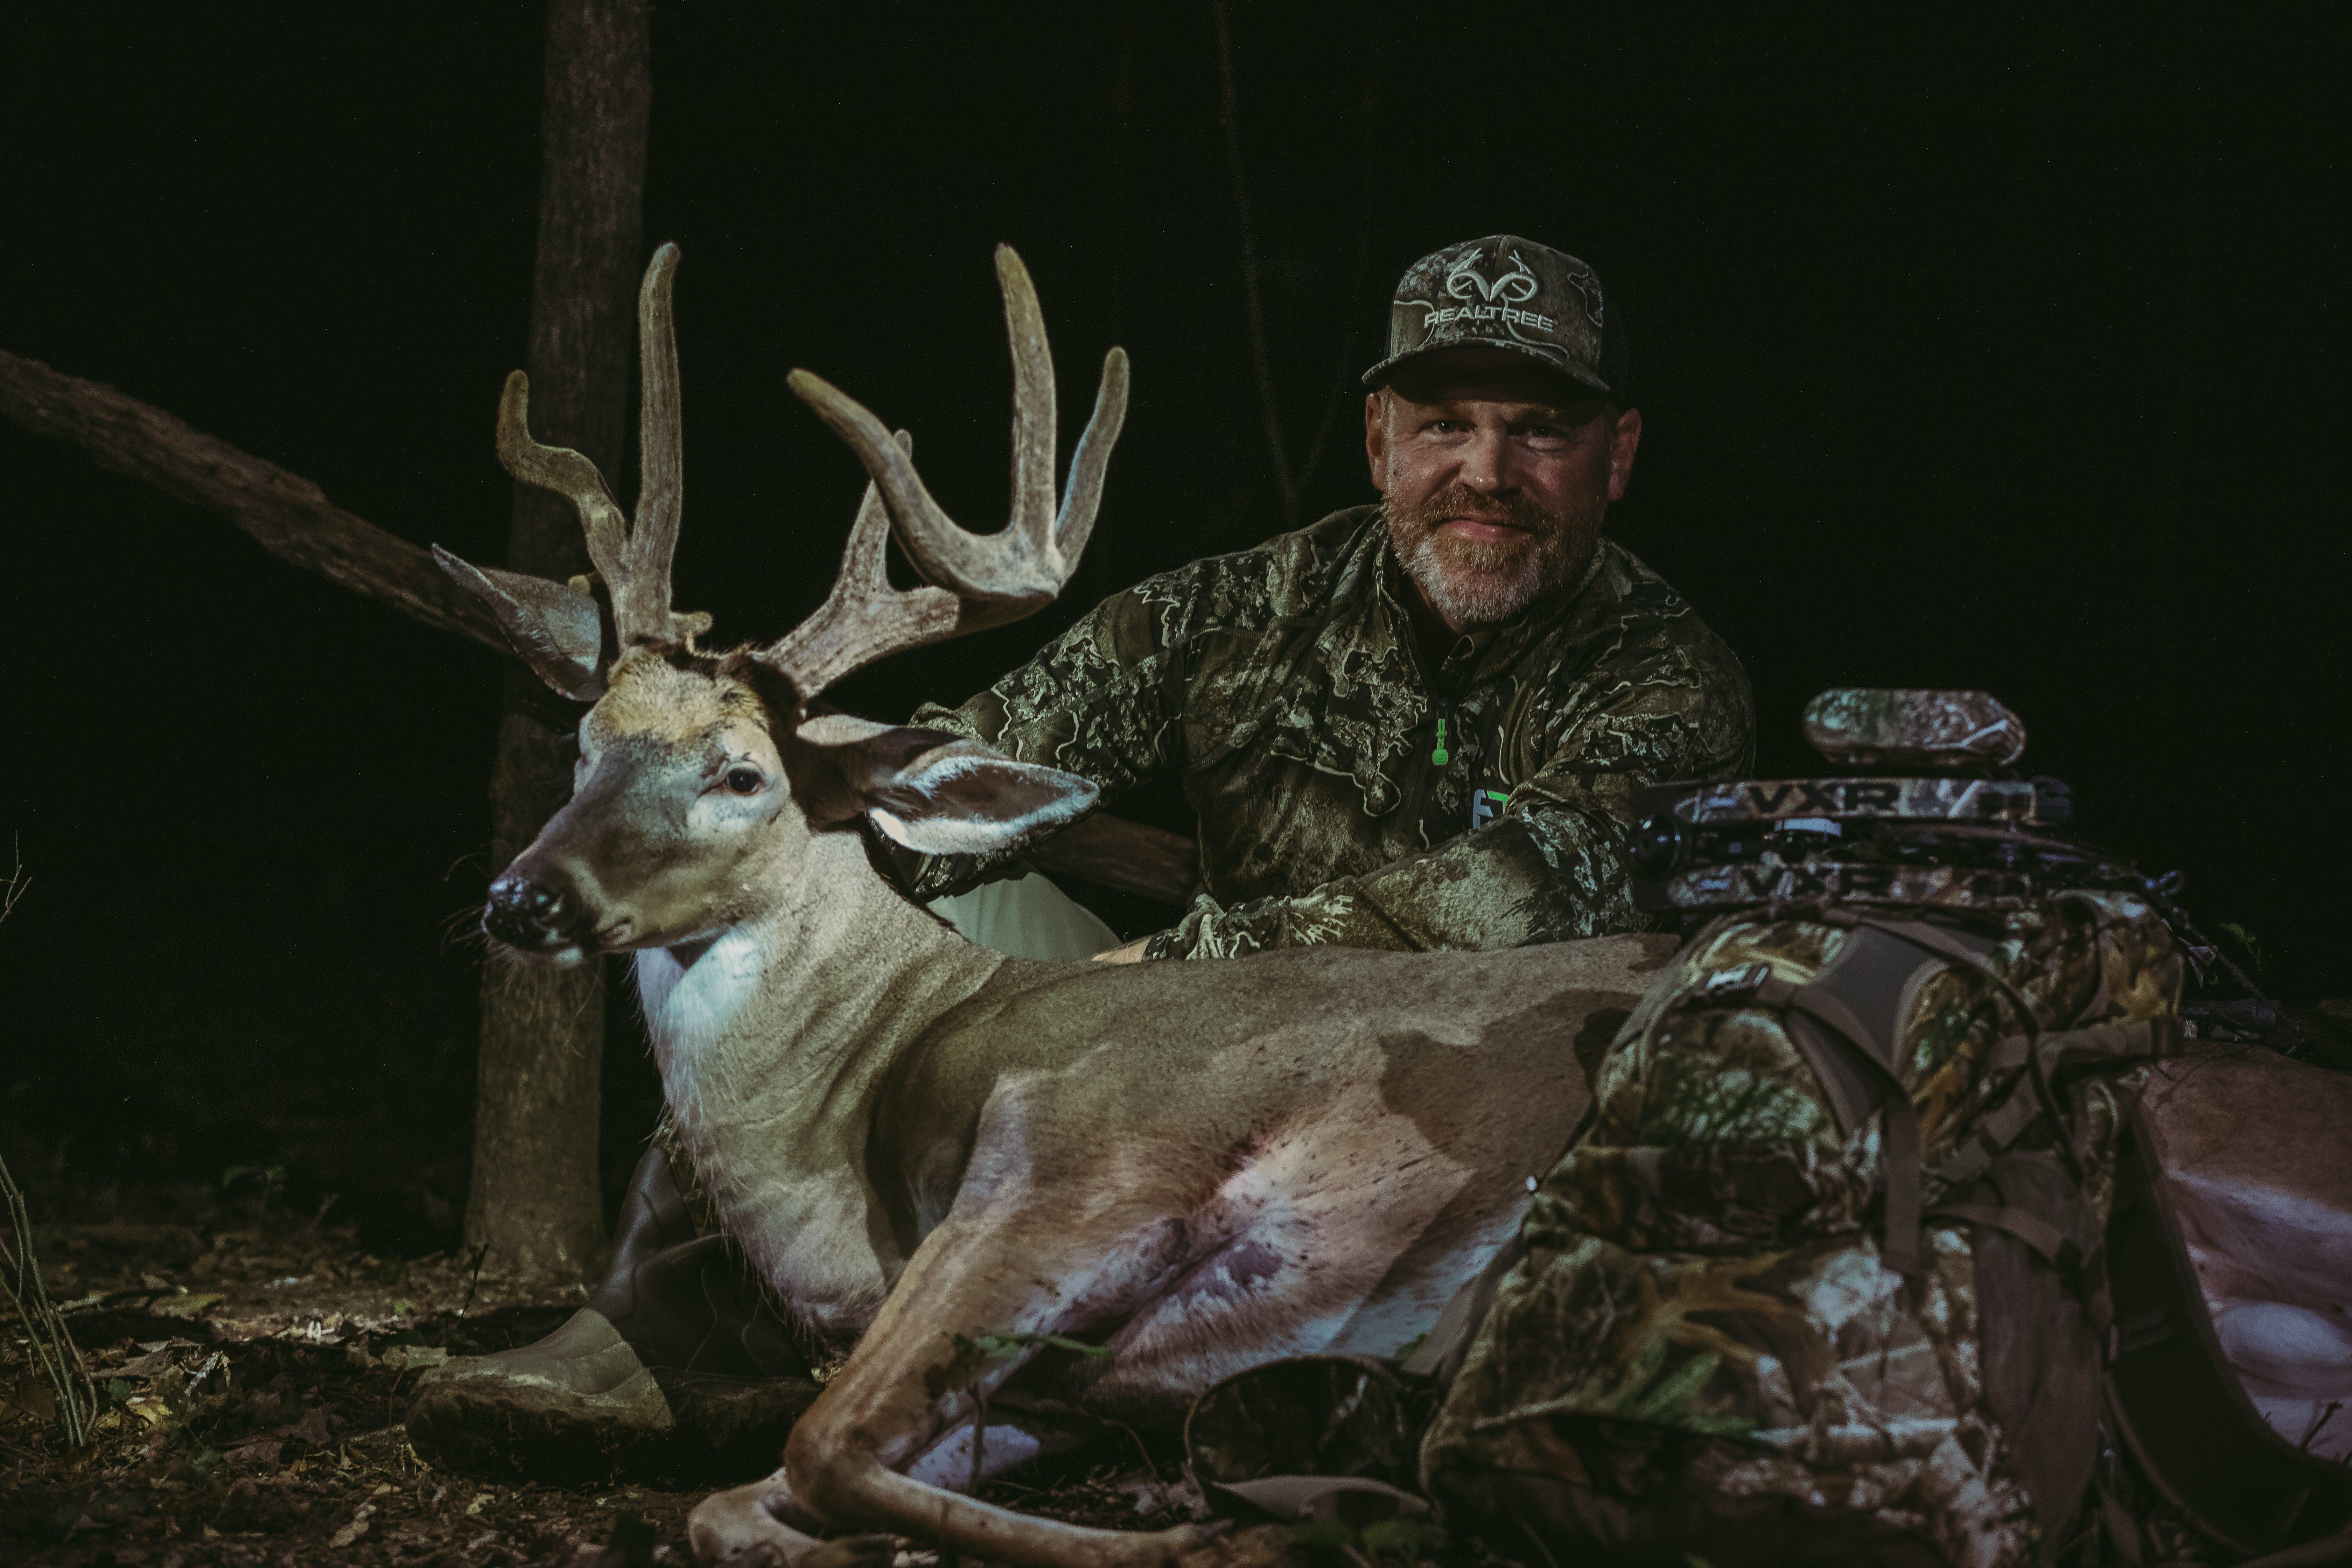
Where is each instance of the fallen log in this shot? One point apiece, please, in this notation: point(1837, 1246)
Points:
point(1125, 857)
point(292, 519)
point(285, 513)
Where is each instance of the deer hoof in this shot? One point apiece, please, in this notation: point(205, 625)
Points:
point(738, 1529)
point(851, 1552)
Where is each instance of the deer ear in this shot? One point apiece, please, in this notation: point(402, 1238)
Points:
point(554, 628)
point(964, 798)
point(939, 793)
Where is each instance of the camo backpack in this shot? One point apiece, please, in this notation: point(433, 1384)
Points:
point(1822, 1278)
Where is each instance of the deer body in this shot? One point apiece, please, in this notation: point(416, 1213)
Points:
point(841, 1098)
point(774, 1041)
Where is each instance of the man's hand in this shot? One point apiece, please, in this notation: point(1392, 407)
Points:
point(1132, 954)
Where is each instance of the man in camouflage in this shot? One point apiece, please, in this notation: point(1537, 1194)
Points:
point(1422, 723)
point(1418, 724)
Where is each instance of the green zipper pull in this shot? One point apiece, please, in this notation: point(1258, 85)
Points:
point(1440, 756)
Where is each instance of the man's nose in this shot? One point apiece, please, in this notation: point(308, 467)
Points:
point(1486, 465)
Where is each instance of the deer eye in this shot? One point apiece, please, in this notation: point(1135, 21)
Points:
point(745, 781)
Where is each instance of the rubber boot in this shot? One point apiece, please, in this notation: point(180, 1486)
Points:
point(677, 1366)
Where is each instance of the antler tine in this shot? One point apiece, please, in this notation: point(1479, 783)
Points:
point(1034, 415)
point(1076, 523)
point(568, 474)
point(943, 552)
point(661, 486)
point(863, 618)
point(1021, 564)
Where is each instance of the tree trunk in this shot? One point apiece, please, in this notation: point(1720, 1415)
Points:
point(535, 1202)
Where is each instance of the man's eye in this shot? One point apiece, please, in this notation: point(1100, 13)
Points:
point(744, 781)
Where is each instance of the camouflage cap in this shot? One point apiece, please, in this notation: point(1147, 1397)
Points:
point(1506, 293)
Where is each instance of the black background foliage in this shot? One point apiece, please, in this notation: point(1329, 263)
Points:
point(1994, 350)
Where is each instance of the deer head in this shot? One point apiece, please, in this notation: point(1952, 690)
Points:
point(704, 779)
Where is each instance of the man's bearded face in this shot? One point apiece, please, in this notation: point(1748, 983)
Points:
point(1496, 480)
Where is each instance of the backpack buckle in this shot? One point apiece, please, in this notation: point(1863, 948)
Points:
point(1741, 981)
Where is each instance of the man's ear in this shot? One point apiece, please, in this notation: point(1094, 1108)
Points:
point(554, 628)
point(939, 793)
point(1625, 441)
point(1376, 440)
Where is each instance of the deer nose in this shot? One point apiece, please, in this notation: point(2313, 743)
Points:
point(528, 913)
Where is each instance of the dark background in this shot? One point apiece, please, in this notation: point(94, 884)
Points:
point(2000, 352)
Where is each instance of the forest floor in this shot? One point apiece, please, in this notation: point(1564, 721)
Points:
point(252, 1376)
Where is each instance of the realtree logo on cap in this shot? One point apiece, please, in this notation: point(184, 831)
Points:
point(1516, 286)
point(1506, 293)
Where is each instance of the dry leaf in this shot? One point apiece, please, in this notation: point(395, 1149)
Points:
point(357, 1528)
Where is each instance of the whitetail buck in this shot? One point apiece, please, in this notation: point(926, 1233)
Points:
point(1193, 1167)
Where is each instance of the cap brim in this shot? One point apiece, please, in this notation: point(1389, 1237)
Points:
point(1381, 374)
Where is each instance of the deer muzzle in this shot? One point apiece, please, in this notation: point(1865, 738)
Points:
point(535, 914)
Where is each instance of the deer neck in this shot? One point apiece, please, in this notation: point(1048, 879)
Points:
point(772, 1039)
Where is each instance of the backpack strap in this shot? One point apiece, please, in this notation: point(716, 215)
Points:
point(1847, 1024)
point(2069, 1054)
point(2085, 1272)
point(1856, 1066)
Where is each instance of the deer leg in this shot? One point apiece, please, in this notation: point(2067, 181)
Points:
point(939, 1347)
point(743, 1527)
point(1009, 1439)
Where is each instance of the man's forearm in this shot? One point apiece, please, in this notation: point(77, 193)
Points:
point(1539, 876)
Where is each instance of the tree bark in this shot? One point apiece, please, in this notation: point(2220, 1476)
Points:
point(535, 1202)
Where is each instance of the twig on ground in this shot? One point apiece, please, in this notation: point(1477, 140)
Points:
point(475, 1283)
point(17, 881)
point(45, 1334)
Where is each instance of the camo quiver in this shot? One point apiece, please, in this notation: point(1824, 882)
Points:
point(1822, 1280)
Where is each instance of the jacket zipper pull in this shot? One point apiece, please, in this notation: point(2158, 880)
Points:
point(1439, 756)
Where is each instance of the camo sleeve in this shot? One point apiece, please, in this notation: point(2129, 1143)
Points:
point(1553, 865)
point(1094, 702)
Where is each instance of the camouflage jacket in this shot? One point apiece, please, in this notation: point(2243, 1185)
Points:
point(1285, 685)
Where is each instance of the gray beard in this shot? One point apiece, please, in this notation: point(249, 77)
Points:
point(1478, 582)
point(1475, 583)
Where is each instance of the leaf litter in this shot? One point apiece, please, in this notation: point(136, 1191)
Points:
point(252, 1378)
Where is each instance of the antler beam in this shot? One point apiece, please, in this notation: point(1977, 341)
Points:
point(980, 580)
point(864, 617)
